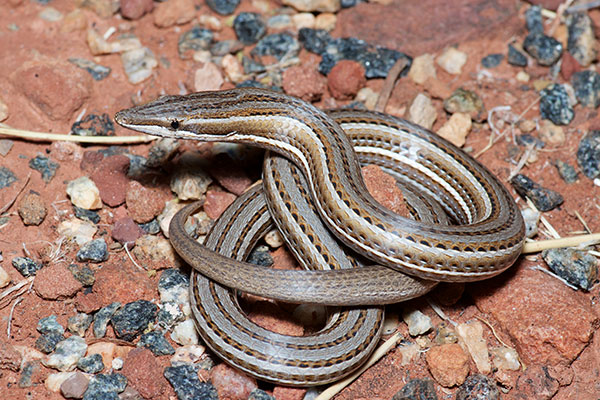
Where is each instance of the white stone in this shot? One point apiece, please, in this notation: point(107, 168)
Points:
point(4, 278)
point(84, 193)
point(456, 129)
point(409, 352)
point(53, 381)
point(452, 60)
point(98, 45)
point(50, 14)
point(422, 69)
point(67, 353)
point(233, 68)
point(211, 22)
point(185, 333)
point(523, 76)
point(190, 182)
point(167, 214)
point(505, 358)
point(208, 77)
point(274, 239)
point(77, 230)
point(422, 112)
point(303, 20)
point(117, 363)
point(138, 64)
point(368, 97)
point(314, 5)
point(470, 336)
point(418, 323)
point(326, 21)
point(531, 218)
point(191, 353)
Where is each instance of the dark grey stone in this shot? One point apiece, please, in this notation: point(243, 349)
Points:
point(102, 318)
point(576, 267)
point(184, 379)
point(26, 266)
point(588, 154)
point(545, 49)
point(94, 251)
point(278, 45)
point(156, 342)
point(7, 177)
point(566, 171)
point(249, 27)
point(417, 389)
point(543, 198)
point(86, 215)
point(587, 87)
point(478, 387)
point(223, 7)
point(515, 57)
point(492, 60)
point(45, 166)
point(133, 318)
point(91, 364)
point(555, 105)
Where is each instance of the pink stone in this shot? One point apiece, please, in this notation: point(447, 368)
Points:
point(548, 322)
point(9, 357)
point(230, 175)
point(217, 202)
point(144, 373)
point(111, 179)
point(345, 79)
point(231, 384)
point(304, 82)
point(135, 9)
point(174, 12)
point(288, 393)
point(144, 203)
point(125, 230)
point(448, 364)
point(55, 281)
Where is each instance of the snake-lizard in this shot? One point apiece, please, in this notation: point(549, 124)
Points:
point(485, 238)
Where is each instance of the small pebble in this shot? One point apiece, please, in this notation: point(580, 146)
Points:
point(66, 354)
point(478, 387)
point(79, 323)
point(84, 193)
point(249, 27)
point(259, 394)
point(26, 266)
point(418, 323)
point(531, 218)
point(456, 129)
point(94, 251)
point(223, 7)
point(105, 386)
point(224, 47)
point(422, 69)
point(233, 68)
point(422, 112)
point(79, 231)
point(516, 57)
point(303, 20)
point(169, 314)
point(555, 105)
point(314, 5)
point(50, 14)
point(49, 325)
point(545, 49)
point(94, 125)
point(190, 182)
point(102, 318)
point(527, 140)
point(5, 144)
point(173, 286)
point(189, 354)
point(133, 318)
point(86, 215)
point(533, 19)
point(138, 64)
point(32, 209)
point(83, 274)
point(97, 71)
point(345, 79)
point(492, 60)
point(566, 171)
point(117, 363)
point(7, 177)
point(175, 12)
point(417, 389)
point(261, 256)
point(4, 277)
point(156, 342)
point(74, 386)
point(314, 40)
point(187, 385)
point(274, 239)
point(466, 101)
point(47, 342)
point(582, 43)
point(279, 22)
point(577, 267)
point(471, 336)
point(91, 364)
point(505, 358)
point(452, 60)
point(550, 133)
point(278, 45)
point(587, 88)
point(161, 151)
point(185, 333)
point(45, 166)
point(135, 9)
point(544, 199)
point(588, 154)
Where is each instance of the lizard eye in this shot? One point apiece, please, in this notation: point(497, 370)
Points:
point(175, 124)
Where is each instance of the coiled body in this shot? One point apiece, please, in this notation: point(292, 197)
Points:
point(479, 235)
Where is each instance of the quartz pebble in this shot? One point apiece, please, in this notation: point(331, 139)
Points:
point(190, 182)
point(84, 193)
point(185, 333)
point(422, 112)
point(66, 354)
point(138, 64)
point(531, 218)
point(505, 358)
point(314, 5)
point(54, 381)
point(4, 278)
point(456, 129)
point(452, 60)
point(208, 77)
point(418, 323)
point(77, 230)
point(471, 335)
point(188, 354)
point(274, 239)
point(550, 133)
point(422, 69)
